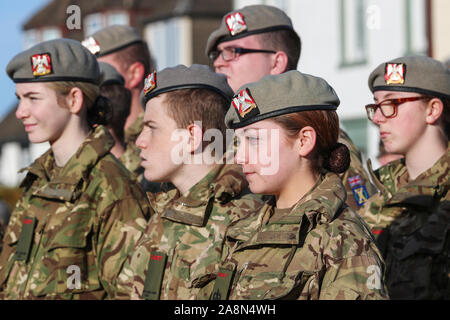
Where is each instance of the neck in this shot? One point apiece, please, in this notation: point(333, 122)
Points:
point(135, 108)
point(299, 183)
point(190, 175)
point(423, 155)
point(70, 140)
point(119, 146)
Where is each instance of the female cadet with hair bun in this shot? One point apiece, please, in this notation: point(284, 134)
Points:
point(79, 212)
point(304, 243)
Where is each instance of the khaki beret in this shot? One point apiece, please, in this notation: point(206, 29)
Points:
point(418, 74)
point(109, 74)
point(181, 77)
point(247, 21)
point(111, 39)
point(54, 60)
point(275, 95)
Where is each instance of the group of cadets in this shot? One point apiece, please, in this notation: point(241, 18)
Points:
point(119, 209)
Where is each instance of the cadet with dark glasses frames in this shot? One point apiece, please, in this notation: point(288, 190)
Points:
point(389, 107)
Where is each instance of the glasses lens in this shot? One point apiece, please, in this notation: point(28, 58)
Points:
point(370, 109)
point(228, 53)
point(388, 109)
point(213, 55)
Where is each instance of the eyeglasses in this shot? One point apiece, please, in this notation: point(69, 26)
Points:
point(389, 107)
point(230, 53)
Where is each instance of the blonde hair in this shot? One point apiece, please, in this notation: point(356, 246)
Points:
point(98, 108)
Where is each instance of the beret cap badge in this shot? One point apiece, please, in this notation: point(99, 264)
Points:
point(395, 73)
point(235, 23)
point(92, 45)
point(150, 82)
point(244, 103)
point(41, 64)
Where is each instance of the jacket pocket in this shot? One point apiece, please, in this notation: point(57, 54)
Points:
point(69, 265)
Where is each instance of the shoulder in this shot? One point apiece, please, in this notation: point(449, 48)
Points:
point(346, 236)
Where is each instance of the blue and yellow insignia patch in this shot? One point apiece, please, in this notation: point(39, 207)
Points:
point(358, 189)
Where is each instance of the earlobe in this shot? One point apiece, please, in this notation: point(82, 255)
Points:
point(435, 109)
point(306, 141)
point(280, 63)
point(135, 75)
point(75, 100)
point(195, 137)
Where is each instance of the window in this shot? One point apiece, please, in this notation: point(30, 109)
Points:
point(170, 42)
point(121, 18)
point(353, 32)
point(357, 129)
point(50, 34)
point(93, 23)
point(416, 39)
point(31, 37)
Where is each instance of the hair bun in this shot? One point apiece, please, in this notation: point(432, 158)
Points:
point(338, 159)
point(100, 113)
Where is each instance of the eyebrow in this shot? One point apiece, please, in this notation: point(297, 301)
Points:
point(26, 95)
point(385, 97)
point(148, 122)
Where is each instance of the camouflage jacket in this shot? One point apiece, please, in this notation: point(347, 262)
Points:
point(73, 227)
point(130, 159)
point(411, 220)
point(355, 180)
point(321, 249)
point(189, 231)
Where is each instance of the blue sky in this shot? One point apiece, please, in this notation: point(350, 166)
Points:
point(12, 15)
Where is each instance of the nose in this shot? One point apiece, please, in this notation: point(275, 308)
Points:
point(241, 154)
point(378, 117)
point(22, 111)
point(140, 142)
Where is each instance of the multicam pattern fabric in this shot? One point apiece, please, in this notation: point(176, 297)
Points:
point(411, 220)
point(133, 131)
point(130, 159)
point(190, 230)
point(321, 249)
point(356, 169)
point(89, 215)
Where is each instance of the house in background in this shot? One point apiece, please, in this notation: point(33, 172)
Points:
point(176, 31)
point(344, 40)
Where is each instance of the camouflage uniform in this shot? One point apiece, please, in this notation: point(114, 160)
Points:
point(411, 220)
point(190, 230)
point(86, 217)
point(359, 192)
point(130, 159)
point(320, 249)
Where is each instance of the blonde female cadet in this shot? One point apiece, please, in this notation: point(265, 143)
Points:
point(79, 212)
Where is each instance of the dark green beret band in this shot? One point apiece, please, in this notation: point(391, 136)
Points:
point(112, 39)
point(54, 60)
point(181, 77)
point(276, 95)
point(256, 19)
point(418, 74)
point(109, 75)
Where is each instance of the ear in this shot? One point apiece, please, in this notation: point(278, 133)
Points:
point(435, 108)
point(75, 100)
point(195, 137)
point(306, 140)
point(279, 63)
point(134, 75)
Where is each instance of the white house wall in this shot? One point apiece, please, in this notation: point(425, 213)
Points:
point(319, 26)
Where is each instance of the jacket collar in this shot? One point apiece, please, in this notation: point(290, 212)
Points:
point(321, 204)
point(67, 184)
point(221, 184)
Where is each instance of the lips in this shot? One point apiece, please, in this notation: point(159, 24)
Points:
point(29, 126)
point(384, 134)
